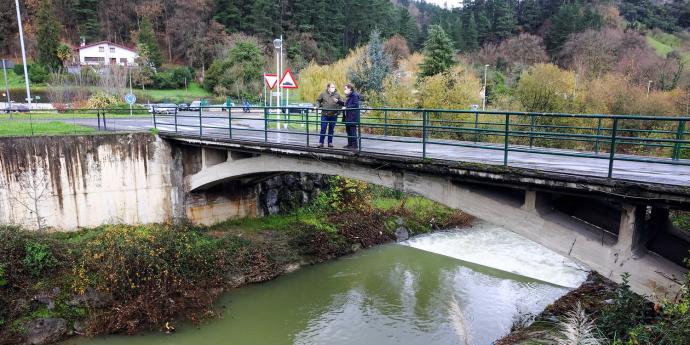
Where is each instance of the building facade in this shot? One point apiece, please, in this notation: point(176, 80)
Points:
point(105, 53)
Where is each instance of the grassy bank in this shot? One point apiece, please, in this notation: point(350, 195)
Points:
point(22, 128)
point(125, 279)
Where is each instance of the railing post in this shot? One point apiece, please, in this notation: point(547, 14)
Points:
point(155, 123)
point(506, 141)
point(531, 130)
point(105, 126)
point(175, 120)
point(201, 131)
point(596, 142)
point(98, 118)
point(230, 123)
point(265, 124)
point(359, 133)
point(425, 119)
point(307, 123)
point(385, 122)
point(614, 131)
point(679, 138)
point(476, 127)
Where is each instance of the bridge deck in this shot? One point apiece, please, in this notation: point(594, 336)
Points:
point(249, 129)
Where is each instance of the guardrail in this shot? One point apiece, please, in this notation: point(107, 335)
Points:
point(650, 139)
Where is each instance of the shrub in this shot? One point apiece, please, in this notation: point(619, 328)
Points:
point(153, 273)
point(628, 310)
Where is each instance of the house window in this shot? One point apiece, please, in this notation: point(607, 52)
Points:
point(112, 50)
point(123, 61)
point(94, 59)
point(101, 49)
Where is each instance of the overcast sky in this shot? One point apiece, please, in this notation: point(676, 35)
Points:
point(451, 3)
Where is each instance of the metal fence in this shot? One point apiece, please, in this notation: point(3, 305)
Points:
point(408, 132)
point(649, 139)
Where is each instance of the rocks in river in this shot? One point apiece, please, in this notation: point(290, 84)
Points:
point(402, 234)
point(45, 331)
point(285, 193)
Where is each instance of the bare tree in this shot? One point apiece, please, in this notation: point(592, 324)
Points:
point(33, 189)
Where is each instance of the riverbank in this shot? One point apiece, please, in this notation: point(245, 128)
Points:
point(603, 312)
point(128, 279)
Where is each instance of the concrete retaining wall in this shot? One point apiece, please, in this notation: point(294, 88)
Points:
point(83, 181)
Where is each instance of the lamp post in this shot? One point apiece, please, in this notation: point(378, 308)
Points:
point(21, 40)
point(484, 95)
point(649, 86)
point(278, 45)
point(7, 88)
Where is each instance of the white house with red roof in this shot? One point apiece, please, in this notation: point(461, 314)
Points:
point(105, 53)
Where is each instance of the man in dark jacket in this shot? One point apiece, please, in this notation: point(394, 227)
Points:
point(329, 101)
point(351, 117)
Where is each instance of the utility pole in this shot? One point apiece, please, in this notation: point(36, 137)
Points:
point(7, 88)
point(21, 40)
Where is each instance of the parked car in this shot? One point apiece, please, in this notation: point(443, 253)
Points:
point(164, 108)
point(299, 108)
point(194, 106)
point(183, 106)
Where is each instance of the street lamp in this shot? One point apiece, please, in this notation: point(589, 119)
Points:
point(484, 95)
point(21, 39)
point(649, 85)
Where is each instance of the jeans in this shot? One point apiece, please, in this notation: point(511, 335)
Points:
point(327, 121)
point(351, 129)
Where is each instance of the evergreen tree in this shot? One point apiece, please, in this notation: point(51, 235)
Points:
point(570, 19)
point(483, 27)
point(471, 37)
point(530, 15)
point(408, 27)
point(265, 18)
point(504, 21)
point(439, 54)
point(147, 44)
point(86, 12)
point(48, 35)
point(372, 68)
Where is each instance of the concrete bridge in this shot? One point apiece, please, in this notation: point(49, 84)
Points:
point(614, 219)
point(613, 226)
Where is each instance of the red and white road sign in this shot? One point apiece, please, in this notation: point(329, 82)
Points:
point(288, 81)
point(271, 80)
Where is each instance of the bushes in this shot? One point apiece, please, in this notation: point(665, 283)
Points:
point(37, 73)
point(173, 79)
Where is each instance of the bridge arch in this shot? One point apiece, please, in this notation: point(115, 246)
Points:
point(528, 215)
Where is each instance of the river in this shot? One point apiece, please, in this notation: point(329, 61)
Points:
point(466, 286)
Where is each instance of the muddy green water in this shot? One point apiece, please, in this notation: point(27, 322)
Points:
point(393, 294)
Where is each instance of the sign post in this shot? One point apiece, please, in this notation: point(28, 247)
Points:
point(7, 88)
point(288, 82)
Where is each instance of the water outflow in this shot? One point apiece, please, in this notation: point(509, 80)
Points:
point(492, 246)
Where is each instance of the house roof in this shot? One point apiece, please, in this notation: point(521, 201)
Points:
point(105, 42)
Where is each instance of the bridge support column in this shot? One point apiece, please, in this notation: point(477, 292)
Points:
point(631, 231)
point(536, 202)
point(211, 157)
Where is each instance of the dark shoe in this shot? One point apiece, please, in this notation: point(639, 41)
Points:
point(319, 146)
point(330, 145)
point(347, 146)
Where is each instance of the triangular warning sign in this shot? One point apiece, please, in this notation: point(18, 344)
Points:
point(271, 80)
point(288, 81)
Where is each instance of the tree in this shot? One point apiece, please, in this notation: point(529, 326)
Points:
point(372, 67)
point(471, 37)
point(504, 20)
point(396, 47)
point(86, 12)
point(48, 35)
point(438, 52)
point(570, 19)
point(64, 53)
point(147, 45)
point(239, 74)
point(546, 88)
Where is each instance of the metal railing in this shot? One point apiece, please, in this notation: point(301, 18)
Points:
point(649, 139)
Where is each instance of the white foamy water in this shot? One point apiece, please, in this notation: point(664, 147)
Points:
point(490, 245)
